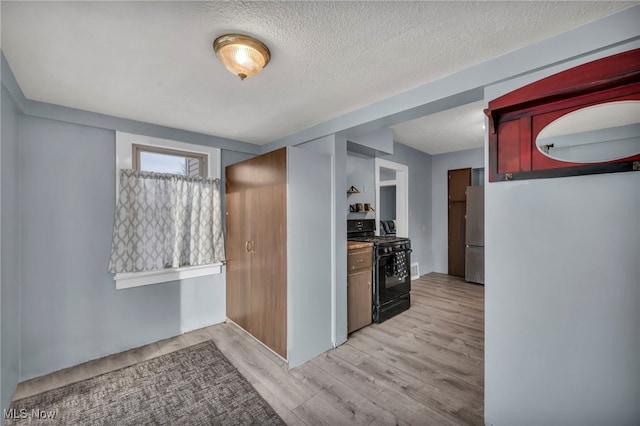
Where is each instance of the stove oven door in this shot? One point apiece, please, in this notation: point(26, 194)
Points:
point(393, 275)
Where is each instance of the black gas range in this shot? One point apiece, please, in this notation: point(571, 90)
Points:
point(392, 260)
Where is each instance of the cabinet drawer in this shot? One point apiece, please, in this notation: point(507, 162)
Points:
point(359, 259)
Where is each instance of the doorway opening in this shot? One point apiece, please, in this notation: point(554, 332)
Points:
point(392, 196)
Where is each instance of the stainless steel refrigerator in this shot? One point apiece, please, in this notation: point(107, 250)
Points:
point(474, 240)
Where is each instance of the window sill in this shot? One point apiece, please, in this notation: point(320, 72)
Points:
point(137, 279)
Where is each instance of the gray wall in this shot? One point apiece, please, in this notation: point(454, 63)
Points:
point(75, 314)
point(387, 208)
point(309, 272)
point(420, 230)
point(9, 250)
point(442, 163)
point(562, 317)
point(360, 173)
point(336, 147)
point(377, 141)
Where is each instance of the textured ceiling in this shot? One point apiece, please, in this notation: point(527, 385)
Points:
point(153, 61)
point(451, 130)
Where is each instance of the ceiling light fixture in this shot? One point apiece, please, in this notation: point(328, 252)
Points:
point(241, 54)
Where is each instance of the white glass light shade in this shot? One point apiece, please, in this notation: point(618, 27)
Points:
point(242, 55)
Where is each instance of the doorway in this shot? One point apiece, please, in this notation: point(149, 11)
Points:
point(392, 180)
point(458, 180)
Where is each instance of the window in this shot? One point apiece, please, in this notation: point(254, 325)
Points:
point(154, 159)
point(195, 162)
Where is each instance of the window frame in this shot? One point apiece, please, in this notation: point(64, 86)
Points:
point(137, 149)
point(125, 143)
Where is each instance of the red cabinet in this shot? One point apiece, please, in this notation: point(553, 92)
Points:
point(516, 118)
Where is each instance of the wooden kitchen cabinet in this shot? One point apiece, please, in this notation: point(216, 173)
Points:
point(255, 239)
point(359, 259)
point(359, 288)
point(278, 246)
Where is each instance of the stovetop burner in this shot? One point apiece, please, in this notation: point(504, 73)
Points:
point(382, 239)
point(364, 231)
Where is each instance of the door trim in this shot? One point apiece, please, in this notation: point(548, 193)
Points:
point(402, 194)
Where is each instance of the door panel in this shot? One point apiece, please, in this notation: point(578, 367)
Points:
point(238, 259)
point(359, 303)
point(269, 322)
point(256, 248)
point(458, 182)
point(456, 238)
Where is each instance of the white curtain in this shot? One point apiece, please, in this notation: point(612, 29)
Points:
point(166, 221)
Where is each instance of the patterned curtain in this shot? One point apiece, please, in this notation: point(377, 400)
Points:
point(166, 221)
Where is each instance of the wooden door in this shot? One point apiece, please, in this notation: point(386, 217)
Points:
point(256, 248)
point(458, 182)
point(359, 291)
point(269, 258)
point(238, 257)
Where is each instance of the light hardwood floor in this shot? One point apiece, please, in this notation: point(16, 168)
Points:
point(421, 367)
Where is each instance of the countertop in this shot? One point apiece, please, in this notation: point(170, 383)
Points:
point(352, 245)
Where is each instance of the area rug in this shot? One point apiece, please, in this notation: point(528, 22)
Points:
point(192, 386)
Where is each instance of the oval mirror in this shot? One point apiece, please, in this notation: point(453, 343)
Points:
point(602, 132)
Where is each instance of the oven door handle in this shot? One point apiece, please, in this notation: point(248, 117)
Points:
point(393, 253)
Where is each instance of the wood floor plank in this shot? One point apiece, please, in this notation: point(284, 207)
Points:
point(429, 323)
point(258, 368)
point(426, 352)
point(319, 412)
point(381, 393)
point(438, 337)
point(353, 407)
point(442, 338)
point(435, 312)
point(350, 354)
point(415, 361)
point(449, 395)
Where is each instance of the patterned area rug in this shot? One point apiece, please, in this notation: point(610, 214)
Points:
point(192, 386)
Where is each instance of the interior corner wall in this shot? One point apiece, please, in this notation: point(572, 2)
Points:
point(336, 146)
point(310, 277)
point(441, 164)
point(562, 323)
point(375, 141)
point(9, 250)
point(340, 170)
point(72, 312)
